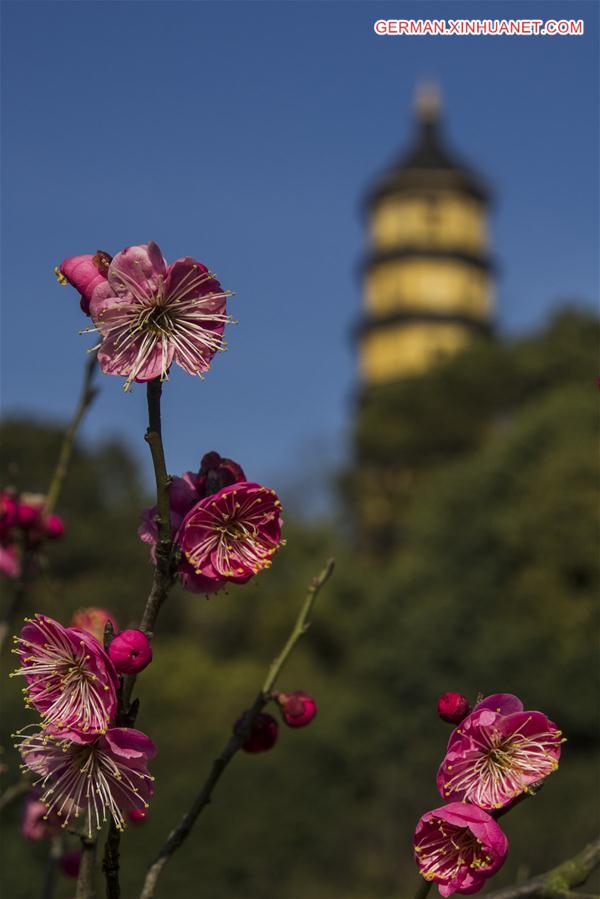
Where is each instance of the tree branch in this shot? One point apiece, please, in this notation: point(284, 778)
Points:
point(86, 398)
point(177, 836)
point(88, 393)
point(557, 883)
point(162, 581)
point(86, 880)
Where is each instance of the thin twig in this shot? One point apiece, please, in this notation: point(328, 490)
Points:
point(86, 398)
point(86, 880)
point(88, 393)
point(557, 883)
point(423, 889)
point(177, 836)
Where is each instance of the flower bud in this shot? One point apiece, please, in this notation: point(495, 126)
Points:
point(85, 273)
point(216, 473)
point(130, 652)
point(8, 511)
point(69, 863)
point(263, 735)
point(27, 515)
point(93, 621)
point(54, 527)
point(298, 709)
point(453, 707)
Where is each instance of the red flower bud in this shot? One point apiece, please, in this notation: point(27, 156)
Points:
point(298, 709)
point(69, 863)
point(27, 515)
point(54, 527)
point(263, 735)
point(130, 652)
point(216, 473)
point(453, 707)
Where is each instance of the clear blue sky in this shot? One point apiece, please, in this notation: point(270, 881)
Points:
point(244, 134)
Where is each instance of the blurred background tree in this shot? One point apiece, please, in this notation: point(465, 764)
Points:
point(466, 546)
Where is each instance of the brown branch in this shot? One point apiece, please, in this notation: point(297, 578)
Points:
point(86, 880)
point(557, 883)
point(178, 836)
point(164, 576)
point(86, 398)
point(110, 862)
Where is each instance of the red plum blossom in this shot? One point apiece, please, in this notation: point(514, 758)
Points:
point(185, 492)
point(498, 752)
point(233, 534)
point(150, 314)
point(70, 679)
point(98, 776)
point(458, 847)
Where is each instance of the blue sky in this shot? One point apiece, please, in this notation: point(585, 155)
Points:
point(244, 134)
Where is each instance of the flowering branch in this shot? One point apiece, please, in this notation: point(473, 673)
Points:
point(557, 883)
point(178, 836)
point(164, 571)
point(88, 393)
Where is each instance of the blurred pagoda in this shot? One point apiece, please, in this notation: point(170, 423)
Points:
point(427, 297)
point(428, 288)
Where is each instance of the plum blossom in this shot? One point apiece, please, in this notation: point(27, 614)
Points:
point(185, 492)
point(36, 824)
point(458, 846)
point(70, 679)
point(24, 526)
point(96, 775)
point(498, 752)
point(233, 534)
point(84, 273)
point(150, 314)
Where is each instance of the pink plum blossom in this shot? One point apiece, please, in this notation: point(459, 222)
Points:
point(84, 273)
point(458, 846)
point(130, 652)
point(9, 560)
point(298, 708)
point(453, 707)
point(24, 526)
point(70, 679)
point(498, 752)
point(150, 314)
point(215, 473)
point(233, 534)
point(93, 620)
point(36, 824)
point(96, 775)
